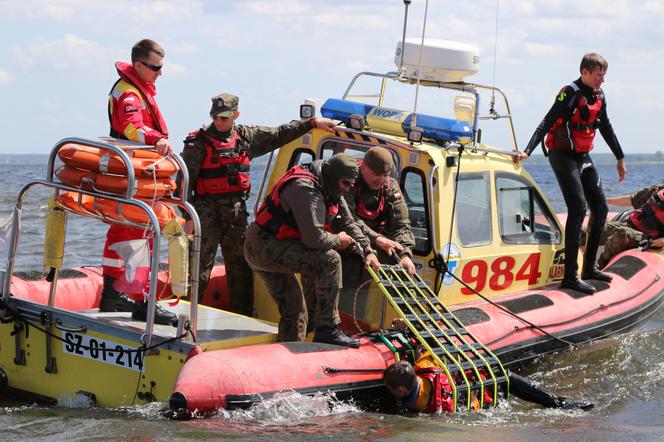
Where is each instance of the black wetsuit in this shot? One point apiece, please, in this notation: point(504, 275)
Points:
point(578, 179)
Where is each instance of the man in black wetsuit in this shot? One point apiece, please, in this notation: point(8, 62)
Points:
point(569, 128)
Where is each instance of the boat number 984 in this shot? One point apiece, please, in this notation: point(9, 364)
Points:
point(103, 351)
point(501, 274)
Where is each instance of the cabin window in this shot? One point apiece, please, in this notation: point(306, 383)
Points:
point(301, 156)
point(523, 216)
point(473, 210)
point(413, 187)
point(357, 151)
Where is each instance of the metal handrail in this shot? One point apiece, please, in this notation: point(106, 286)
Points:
point(113, 145)
point(458, 86)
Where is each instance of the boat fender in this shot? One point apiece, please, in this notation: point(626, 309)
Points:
point(178, 258)
point(54, 241)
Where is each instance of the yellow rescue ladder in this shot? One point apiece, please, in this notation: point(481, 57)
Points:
point(457, 352)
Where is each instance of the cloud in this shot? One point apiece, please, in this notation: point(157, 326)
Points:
point(176, 70)
point(184, 48)
point(546, 50)
point(5, 78)
point(286, 7)
point(68, 53)
point(87, 13)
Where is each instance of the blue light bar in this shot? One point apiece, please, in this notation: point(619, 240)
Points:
point(343, 109)
point(395, 121)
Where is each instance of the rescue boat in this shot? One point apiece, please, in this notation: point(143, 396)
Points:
point(489, 255)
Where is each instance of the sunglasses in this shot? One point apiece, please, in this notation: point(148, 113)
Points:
point(152, 67)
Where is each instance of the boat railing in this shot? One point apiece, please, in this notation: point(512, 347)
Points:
point(470, 88)
point(116, 147)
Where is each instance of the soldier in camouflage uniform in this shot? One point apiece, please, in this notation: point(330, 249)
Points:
point(291, 235)
point(379, 209)
point(623, 234)
point(217, 158)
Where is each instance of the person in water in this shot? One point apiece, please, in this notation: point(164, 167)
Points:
point(569, 127)
point(415, 389)
point(134, 116)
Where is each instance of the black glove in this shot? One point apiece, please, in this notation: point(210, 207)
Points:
point(563, 403)
point(645, 244)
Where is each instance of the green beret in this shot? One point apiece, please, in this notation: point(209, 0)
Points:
point(379, 160)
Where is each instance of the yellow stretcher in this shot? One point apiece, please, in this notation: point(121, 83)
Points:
point(469, 365)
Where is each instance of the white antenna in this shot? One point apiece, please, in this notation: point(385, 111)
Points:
point(403, 37)
point(492, 109)
point(413, 123)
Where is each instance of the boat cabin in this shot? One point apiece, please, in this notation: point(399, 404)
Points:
point(473, 210)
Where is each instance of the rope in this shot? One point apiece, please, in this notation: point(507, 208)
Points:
point(441, 265)
point(17, 317)
point(357, 291)
point(440, 277)
point(504, 309)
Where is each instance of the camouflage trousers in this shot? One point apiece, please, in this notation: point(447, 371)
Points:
point(617, 237)
point(277, 261)
point(224, 223)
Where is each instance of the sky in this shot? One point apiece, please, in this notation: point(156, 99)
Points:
point(57, 59)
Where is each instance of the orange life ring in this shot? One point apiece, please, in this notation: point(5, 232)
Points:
point(109, 208)
point(145, 162)
point(152, 188)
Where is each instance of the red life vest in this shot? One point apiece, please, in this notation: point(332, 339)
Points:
point(150, 127)
point(274, 219)
point(578, 133)
point(375, 219)
point(441, 392)
point(225, 168)
point(649, 218)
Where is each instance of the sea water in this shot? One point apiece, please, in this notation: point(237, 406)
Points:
point(624, 374)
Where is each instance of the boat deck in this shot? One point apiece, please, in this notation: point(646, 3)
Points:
point(213, 325)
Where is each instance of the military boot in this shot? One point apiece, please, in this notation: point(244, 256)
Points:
point(594, 273)
point(161, 315)
point(334, 336)
point(112, 300)
point(575, 283)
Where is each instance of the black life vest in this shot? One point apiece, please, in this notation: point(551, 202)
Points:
point(649, 218)
point(225, 168)
point(272, 217)
point(578, 133)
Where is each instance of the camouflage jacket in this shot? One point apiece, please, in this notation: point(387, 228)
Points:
point(396, 222)
point(307, 205)
point(256, 140)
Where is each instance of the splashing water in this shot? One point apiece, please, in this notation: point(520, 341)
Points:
point(290, 407)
